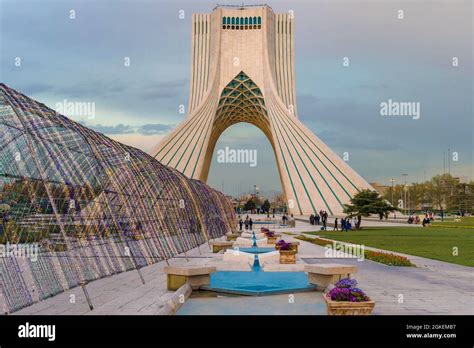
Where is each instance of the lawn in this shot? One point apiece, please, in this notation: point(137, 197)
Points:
point(466, 222)
point(433, 242)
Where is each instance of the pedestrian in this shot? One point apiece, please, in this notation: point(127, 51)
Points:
point(335, 225)
point(250, 224)
point(311, 219)
point(246, 224)
point(240, 224)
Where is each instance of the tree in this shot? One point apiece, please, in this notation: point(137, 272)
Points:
point(250, 205)
point(367, 202)
point(462, 198)
point(440, 188)
point(266, 206)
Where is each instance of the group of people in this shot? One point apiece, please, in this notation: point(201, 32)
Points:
point(346, 224)
point(322, 218)
point(414, 219)
point(317, 219)
point(248, 223)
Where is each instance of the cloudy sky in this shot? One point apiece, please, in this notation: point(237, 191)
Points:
point(409, 60)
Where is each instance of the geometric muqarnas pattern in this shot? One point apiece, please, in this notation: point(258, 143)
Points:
point(87, 206)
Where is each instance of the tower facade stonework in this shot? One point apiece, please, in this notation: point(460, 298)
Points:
point(243, 70)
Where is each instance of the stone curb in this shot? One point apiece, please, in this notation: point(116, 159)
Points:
point(176, 301)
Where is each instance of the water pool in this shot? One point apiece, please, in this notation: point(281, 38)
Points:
point(258, 283)
point(256, 250)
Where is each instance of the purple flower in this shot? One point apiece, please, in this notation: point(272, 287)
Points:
point(285, 246)
point(345, 290)
point(346, 283)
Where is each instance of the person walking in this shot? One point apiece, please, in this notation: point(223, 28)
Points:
point(318, 219)
point(335, 225)
point(311, 219)
point(241, 223)
point(246, 224)
point(348, 224)
point(250, 224)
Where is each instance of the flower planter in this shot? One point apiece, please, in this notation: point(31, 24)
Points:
point(294, 246)
point(271, 240)
point(287, 256)
point(348, 308)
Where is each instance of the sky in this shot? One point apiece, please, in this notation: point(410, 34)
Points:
point(54, 58)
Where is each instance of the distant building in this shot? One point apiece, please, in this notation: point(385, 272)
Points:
point(381, 189)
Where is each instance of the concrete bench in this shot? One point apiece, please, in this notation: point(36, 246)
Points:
point(246, 235)
point(195, 276)
point(273, 257)
point(218, 246)
point(237, 256)
point(261, 243)
point(243, 242)
point(232, 236)
point(329, 273)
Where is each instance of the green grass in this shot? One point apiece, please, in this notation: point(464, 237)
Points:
point(466, 222)
point(432, 242)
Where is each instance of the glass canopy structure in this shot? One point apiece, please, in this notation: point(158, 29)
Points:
point(77, 206)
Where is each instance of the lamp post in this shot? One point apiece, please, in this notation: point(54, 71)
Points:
point(405, 192)
point(391, 191)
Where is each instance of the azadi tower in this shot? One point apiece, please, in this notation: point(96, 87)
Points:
point(243, 70)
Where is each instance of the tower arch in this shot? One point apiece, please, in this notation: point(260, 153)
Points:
point(248, 76)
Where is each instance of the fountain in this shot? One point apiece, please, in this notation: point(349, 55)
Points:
point(256, 282)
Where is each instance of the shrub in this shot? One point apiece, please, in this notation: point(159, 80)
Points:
point(387, 258)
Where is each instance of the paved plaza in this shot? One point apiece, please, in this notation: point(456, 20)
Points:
point(433, 287)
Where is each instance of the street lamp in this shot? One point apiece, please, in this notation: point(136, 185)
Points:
point(405, 189)
point(391, 191)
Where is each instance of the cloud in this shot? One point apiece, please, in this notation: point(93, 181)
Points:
point(117, 129)
point(157, 128)
point(147, 129)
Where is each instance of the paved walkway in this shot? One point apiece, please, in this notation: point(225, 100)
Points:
point(123, 293)
point(433, 287)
